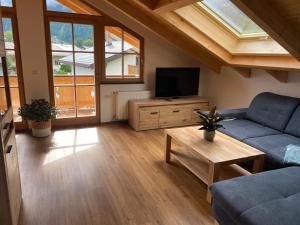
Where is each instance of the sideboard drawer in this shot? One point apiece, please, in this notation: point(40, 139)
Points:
point(149, 114)
point(175, 112)
point(196, 108)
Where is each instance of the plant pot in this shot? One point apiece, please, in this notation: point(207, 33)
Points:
point(209, 135)
point(41, 128)
point(29, 123)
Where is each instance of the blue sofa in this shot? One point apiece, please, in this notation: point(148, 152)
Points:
point(270, 124)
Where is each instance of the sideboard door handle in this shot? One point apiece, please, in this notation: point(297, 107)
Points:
point(6, 126)
point(176, 111)
point(9, 148)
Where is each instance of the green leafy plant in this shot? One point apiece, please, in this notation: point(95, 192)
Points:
point(210, 121)
point(39, 110)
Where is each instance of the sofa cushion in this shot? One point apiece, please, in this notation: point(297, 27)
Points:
point(272, 110)
point(293, 126)
point(242, 129)
point(274, 146)
point(275, 198)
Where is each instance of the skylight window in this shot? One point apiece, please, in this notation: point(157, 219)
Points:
point(233, 17)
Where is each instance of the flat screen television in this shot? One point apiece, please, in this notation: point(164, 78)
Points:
point(177, 82)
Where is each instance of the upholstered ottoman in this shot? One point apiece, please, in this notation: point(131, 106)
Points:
point(268, 198)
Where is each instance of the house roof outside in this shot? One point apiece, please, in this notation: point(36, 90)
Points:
point(87, 59)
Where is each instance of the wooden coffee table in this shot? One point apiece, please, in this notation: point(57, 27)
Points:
point(211, 161)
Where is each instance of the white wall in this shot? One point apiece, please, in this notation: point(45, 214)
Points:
point(231, 90)
point(33, 48)
point(158, 53)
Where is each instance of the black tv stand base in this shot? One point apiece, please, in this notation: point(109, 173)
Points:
point(171, 99)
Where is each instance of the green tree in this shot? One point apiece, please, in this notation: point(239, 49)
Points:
point(89, 42)
point(8, 35)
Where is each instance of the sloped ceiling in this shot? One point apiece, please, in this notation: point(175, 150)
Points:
point(166, 19)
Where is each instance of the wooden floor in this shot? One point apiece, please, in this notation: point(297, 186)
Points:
point(108, 175)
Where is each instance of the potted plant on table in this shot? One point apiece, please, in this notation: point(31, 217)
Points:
point(210, 123)
point(39, 113)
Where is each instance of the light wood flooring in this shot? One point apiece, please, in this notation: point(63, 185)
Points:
point(108, 175)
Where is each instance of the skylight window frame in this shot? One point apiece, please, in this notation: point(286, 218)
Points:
point(210, 13)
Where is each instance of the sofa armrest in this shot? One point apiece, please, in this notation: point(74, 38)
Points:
point(233, 113)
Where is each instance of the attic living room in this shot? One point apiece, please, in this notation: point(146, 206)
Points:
point(149, 112)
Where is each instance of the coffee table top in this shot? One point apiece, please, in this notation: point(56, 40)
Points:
point(222, 149)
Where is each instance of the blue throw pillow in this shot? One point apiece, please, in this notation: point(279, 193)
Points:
point(292, 155)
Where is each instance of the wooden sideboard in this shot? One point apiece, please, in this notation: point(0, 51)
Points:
point(10, 183)
point(159, 113)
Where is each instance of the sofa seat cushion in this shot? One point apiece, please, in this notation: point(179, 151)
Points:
point(293, 126)
point(274, 146)
point(241, 129)
point(275, 198)
point(272, 110)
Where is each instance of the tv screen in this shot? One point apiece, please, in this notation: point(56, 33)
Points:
point(176, 82)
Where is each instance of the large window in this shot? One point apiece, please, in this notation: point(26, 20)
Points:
point(84, 49)
point(73, 69)
point(233, 17)
point(122, 56)
point(12, 57)
point(6, 3)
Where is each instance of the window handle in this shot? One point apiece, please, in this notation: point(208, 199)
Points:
point(9, 148)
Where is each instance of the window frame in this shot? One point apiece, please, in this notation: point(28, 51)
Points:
point(138, 80)
point(220, 21)
point(11, 12)
point(102, 21)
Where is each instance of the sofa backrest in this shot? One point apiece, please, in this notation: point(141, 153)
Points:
point(272, 110)
point(293, 126)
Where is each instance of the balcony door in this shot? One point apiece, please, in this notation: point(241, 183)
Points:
point(74, 73)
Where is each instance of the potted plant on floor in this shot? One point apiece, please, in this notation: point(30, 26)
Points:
point(39, 112)
point(210, 123)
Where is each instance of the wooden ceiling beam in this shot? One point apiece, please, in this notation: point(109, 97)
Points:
point(281, 76)
point(269, 19)
point(79, 6)
point(168, 31)
point(285, 63)
point(170, 5)
point(244, 72)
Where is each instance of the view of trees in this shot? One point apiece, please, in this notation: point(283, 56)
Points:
point(61, 33)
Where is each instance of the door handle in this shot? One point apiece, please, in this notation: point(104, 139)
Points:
point(9, 148)
point(176, 111)
point(6, 126)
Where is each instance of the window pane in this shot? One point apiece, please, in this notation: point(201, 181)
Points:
point(131, 66)
point(131, 44)
point(84, 64)
point(233, 16)
point(8, 33)
point(6, 3)
point(11, 63)
point(113, 64)
point(63, 63)
point(61, 36)
point(65, 101)
point(3, 101)
point(53, 5)
point(86, 104)
point(84, 37)
point(113, 39)
point(15, 101)
point(63, 80)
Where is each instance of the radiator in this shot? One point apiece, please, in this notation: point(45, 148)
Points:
point(122, 98)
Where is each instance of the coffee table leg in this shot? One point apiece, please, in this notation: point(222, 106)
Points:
point(213, 176)
point(258, 165)
point(168, 141)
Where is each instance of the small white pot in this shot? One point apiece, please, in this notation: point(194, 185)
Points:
point(41, 128)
